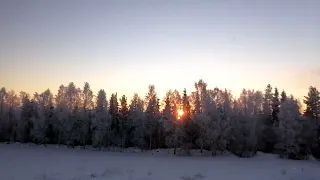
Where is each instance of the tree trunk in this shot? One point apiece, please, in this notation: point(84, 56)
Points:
point(1, 108)
point(213, 153)
point(150, 142)
point(158, 130)
point(59, 138)
point(121, 138)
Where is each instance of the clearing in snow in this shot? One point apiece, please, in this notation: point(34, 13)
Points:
point(25, 162)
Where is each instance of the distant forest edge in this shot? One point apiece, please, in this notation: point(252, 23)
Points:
point(209, 119)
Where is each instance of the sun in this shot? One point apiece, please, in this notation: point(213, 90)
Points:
point(180, 113)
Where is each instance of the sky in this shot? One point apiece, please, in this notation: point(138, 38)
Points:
point(123, 46)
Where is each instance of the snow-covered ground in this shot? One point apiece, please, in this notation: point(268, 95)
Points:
point(25, 162)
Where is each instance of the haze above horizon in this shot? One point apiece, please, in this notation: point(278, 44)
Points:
point(123, 46)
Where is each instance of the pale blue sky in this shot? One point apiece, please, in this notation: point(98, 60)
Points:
point(123, 46)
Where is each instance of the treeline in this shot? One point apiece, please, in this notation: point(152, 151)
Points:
point(212, 119)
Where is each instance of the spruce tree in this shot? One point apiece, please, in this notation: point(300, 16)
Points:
point(123, 121)
point(101, 123)
point(151, 114)
point(283, 96)
point(137, 116)
point(186, 106)
point(267, 134)
point(3, 97)
point(275, 107)
point(267, 101)
point(312, 101)
point(114, 112)
point(25, 124)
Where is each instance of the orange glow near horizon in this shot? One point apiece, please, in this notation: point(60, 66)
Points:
point(180, 113)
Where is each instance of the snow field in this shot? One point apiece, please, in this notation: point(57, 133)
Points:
point(31, 162)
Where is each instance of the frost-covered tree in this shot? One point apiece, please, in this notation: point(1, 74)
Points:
point(244, 137)
point(289, 128)
point(42, 119)
point(204, 115)
point(216, 122)
point(48, 102)
point(3, 109)
point(176, 135)
point(3, 97)
point(13, 114)
point(159, 130)
point(137, 117)
point(275, 107)
point(312, 112)
point(25, 123)
point(267, 134)
point(73, 124)
point(101, 102)
point(87, 97)
point(114, 105)
point(204, 123)
point(216, 109)
point(137, 105)
point(38, 131)
point(101, 123)
point(151, 114)
point(72, 96)
point(123, 121)
point(167, 111)
point(242, 126)
point(86, 116)
point(139, 131)
point(196, 100)
point(307, 138)
point(189, 128)
point(202, 98)
point(283, 96)
point(258, 99)
point(168, 120)
point(243, 102)
point(267, 100)
point(101, 129)
point(62, 115)
point(176, 101)
point(225, 106)
point(250, 102)
point(168, 114)
point(312, 101)
point(186, 106)
point(223, 122)
point(39, 121)
point(114, 112)
point(173, 127)
point(127, 125)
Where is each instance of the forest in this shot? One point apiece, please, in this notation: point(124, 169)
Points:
point(204, 119)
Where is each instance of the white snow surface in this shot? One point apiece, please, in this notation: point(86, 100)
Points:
point(31, 162)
